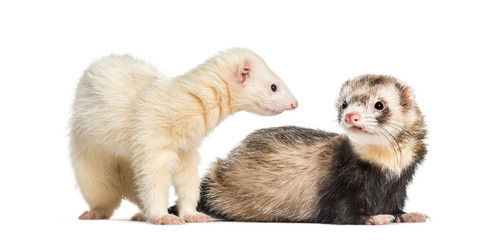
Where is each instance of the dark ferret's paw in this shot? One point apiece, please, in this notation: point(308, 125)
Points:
point(413, 217)
point(379, 220)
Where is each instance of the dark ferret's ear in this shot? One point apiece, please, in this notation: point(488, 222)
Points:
point(244, 70)
point(406, 95)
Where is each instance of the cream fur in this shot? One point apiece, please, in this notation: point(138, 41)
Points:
point(134, 132)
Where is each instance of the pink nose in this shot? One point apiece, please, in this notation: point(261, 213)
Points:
point(352, 118)
point(294, 105)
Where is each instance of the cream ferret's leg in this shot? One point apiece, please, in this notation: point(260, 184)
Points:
point(154, 180)
point(186, 183)
point(97, 180)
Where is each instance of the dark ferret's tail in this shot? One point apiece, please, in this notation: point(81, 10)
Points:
point(205, 205)
point(200, 207)
point(202, 204)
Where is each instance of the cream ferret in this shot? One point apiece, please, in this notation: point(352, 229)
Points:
point(135, 132)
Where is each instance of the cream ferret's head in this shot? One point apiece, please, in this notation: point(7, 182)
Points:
point(255, 87)
point(379, 110)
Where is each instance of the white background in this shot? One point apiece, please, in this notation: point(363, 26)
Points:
point(450, 52)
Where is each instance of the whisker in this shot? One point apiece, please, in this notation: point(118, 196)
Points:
point(372, 125)
point(399, 159)
point(395, 124)
point(394, 127)
point(378, 135)
point(379, 129)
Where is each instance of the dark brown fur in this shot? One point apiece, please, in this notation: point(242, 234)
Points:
point(298, 174)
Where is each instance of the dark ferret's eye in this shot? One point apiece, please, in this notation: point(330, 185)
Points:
point(344, 104)
point(378, 105)
point(273, 87)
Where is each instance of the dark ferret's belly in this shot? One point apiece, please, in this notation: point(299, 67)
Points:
point(300, 175)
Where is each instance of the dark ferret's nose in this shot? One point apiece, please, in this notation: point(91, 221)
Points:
point(352, 118)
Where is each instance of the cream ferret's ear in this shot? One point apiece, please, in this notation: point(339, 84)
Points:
point(244, 70)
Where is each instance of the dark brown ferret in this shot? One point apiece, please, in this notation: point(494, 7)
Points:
point(294, 174)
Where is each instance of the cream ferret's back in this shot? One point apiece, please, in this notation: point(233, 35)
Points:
point(136, 132)
point(105, 99)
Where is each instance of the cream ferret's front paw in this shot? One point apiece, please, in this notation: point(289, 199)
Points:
point(196, 217)
point(168, 219)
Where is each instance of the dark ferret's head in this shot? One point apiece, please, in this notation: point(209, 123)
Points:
point(379, 110)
